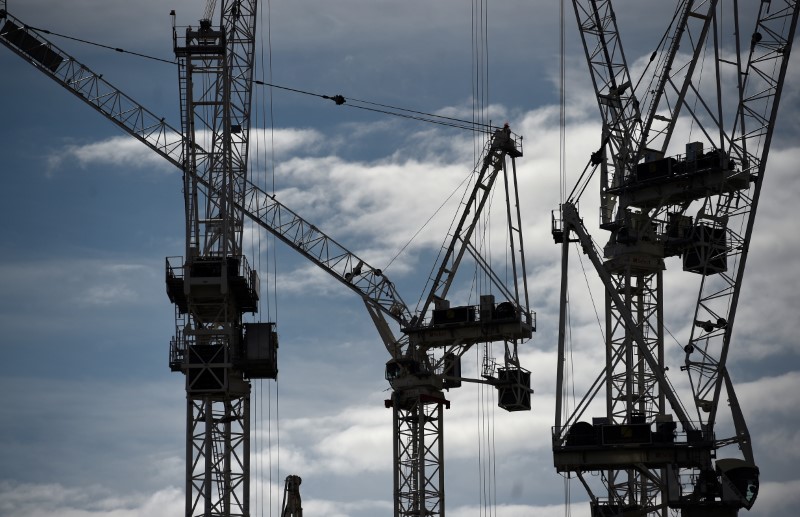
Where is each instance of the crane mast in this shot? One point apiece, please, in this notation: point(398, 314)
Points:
point(214, 286)
point(698, 205)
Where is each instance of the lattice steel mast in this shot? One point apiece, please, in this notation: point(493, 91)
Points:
point(213, 286)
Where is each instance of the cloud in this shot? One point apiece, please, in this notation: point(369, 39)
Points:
point(350, 442)
point(79, 283)
point(580, 509)
point(118, 151)
point(51, 500)
point(127, 152)
point(777, 498)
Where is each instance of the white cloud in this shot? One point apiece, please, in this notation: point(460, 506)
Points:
point(127, 152)
point(117, 151)
point(82, 282)
point(580, 509)
point(771, 396)
point(351, 442)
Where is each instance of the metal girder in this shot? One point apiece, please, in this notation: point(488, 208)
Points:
point(502, 143)
point(419, 453)
point(91, 88)
point(672, 75)
point(308, 240)
point(614, 91)
point(216, 70)
point(218, 444)
point(215, 75)
point(761, 84)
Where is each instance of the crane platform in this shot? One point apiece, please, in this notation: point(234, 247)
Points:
point(472, 324)
point(601, 446)
point(681, 179)
point(208, 281)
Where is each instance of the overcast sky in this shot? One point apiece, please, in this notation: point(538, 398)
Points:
point(92, 420)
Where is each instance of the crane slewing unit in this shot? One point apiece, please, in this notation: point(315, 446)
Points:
point(720, 68)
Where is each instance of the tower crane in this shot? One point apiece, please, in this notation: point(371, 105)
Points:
point(418, 375)
point(212, 286)
point(655, 455)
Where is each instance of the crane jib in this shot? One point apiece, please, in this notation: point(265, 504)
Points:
point(30, 45)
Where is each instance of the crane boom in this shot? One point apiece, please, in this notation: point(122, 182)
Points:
point(614, 91)
point(91, 88)
point(501, 144)
point(307, 239)
point(757, 111)
point(663, 111)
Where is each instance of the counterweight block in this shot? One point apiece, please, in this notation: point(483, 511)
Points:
point(514, 389)
point(257, 357)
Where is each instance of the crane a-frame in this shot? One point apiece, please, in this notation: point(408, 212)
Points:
point(212, 286)
point(656, 456)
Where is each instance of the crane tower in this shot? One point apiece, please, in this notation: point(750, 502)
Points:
point(655, 455)
point(213, 285)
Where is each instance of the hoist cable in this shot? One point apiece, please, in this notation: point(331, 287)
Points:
point(340, 100)
point(425, 224)
point(562, 163)
point(211, 6)
point(591, 297)
point(386, 109)
point(443, 249)
point(273, 256)
point(108, 47)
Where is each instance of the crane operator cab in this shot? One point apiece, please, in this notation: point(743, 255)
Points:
point(739, 480)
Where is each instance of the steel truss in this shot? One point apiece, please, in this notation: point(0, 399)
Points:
point(632, 390)
point(219, 446)
point(419, 449)
point(215, 76)
point(699, 206)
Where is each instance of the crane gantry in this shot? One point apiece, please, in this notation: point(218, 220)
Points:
point(655, 455)
point(212, 286)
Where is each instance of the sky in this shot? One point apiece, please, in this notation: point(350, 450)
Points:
point(92, 420)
